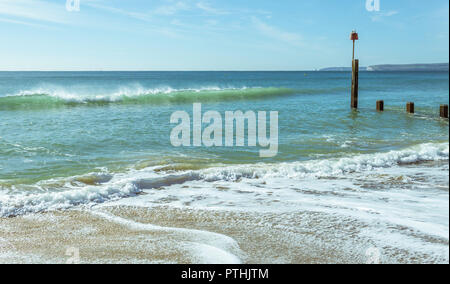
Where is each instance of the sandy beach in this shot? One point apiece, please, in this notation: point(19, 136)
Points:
point(117, 234)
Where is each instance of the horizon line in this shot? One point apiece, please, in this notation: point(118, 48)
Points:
point(225, 70)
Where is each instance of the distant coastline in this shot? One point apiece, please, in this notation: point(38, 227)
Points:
point(435, 67)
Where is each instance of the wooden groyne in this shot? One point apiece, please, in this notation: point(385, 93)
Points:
point(410, 108)
point(444, 111)
point(355, 73)
point(380, 105)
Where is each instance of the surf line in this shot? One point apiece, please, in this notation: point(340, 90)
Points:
point(212, 135)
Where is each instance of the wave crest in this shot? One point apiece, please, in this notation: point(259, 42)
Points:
point(58, 98)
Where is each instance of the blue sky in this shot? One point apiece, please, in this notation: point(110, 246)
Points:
point(218, 35)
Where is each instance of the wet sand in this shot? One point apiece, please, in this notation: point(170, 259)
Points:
point(119, 234)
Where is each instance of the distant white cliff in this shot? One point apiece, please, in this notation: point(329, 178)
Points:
point(435, 67)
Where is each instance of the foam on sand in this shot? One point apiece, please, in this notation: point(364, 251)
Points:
point(206, 247)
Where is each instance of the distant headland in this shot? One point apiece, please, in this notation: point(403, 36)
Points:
point(435, 67)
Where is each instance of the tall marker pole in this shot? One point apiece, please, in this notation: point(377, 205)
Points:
point(355, 73)
point(353, 57)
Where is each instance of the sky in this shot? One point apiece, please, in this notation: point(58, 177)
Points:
point(219, 34)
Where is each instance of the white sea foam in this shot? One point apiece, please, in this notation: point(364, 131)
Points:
point(19, 204)
point(205, 247)
point(132, 183)
point(332, 167)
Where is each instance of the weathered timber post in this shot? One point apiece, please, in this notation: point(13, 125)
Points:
point(410, 107)
point(444, 111)
point(380, 105)
point(355, 79)
point(355, 73)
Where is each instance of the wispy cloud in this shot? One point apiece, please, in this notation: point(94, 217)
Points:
point(379, 16)
point(34, 10)
point(171, 9)
point(164, 10)
point(206, 7)
point(211, 22)
point(17, 22)
point(276, 33)
point(131, 14)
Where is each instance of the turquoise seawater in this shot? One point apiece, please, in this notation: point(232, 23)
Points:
point(71, 140)
point(63, 124)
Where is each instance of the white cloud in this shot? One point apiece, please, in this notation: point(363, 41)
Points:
point(276, 33)
point(165, 10)
point(34, 10)
point(381, 15)
point(171, 9)
point(9, 21)
point(176, 22)
point(209, 9)
point(135, 15)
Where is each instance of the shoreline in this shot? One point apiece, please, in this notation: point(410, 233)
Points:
point(122, 234)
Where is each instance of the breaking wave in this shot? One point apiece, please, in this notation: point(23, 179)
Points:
point(60, 98)
point(100, 188)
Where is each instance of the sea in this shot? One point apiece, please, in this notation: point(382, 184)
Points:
point(73, 141)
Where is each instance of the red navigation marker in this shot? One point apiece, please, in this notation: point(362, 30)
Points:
point(354, 35)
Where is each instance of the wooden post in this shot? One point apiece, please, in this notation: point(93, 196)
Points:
point(380, 105)
point(410, 107)
point(353, 56)
point(444, 111)
point(355, 72)
point(355, 78)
